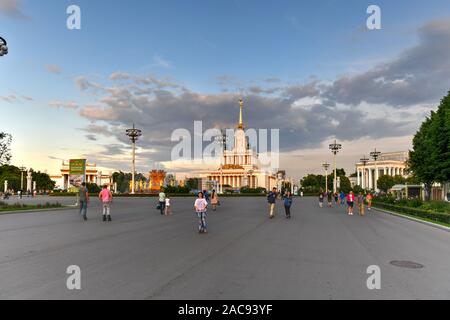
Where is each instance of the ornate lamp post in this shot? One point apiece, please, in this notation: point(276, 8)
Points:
point(326, 166)
point(375, 155)
point(3, 47)
point(22, 170)
point(335, 147)
point(222, 141)
point(364, 161)
point(133, 134)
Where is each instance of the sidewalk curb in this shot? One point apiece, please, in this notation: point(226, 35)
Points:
point(434, 225)
point(38, 210)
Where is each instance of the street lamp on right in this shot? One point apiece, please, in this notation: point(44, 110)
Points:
point(375, 155)
point(326, 166)
point(335, 147)
point(364, 160)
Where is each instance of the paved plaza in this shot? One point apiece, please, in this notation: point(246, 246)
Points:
point(318, 254)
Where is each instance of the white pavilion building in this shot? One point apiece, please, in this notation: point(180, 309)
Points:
point(239, 166)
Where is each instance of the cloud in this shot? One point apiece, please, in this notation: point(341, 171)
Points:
point(53, 68)
point(12, 9)
point(161, 62)
point(91, 137)
point(63, 104)
point(386, 101)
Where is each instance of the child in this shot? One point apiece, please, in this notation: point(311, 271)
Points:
point(200, 206)
point(321, 199)
point(167, 207)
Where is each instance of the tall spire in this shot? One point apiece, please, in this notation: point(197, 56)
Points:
point(241, 122)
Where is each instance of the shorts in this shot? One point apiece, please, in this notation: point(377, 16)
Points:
point(350, 204)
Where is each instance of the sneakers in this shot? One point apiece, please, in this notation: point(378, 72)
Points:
point(109, 218)
point(104, 217)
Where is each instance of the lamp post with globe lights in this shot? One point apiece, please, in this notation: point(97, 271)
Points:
point(335, 147)
point(133, 134)
point(3, 47)
point(222, 142)
point(375, 155)
point(326, 166)
point(364, 160)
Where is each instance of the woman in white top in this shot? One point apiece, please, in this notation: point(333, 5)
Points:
point(200, 206)
point(167, 206)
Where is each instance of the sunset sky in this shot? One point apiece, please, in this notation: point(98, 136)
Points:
point(309, 68)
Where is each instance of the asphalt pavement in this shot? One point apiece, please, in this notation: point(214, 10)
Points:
point(321, 253)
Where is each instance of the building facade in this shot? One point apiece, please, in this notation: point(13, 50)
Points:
point(239, 166)
point(93, 175)
point(389, 163)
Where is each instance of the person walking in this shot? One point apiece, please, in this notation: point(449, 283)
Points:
point(162, 201)
point(329, 198)
point(167, 210)
point(214, 200)
point(84, 200)
point(321, 198)
point(271, 199)
point(206, 195)
point(336, 198)
point(361, 204)
point(288, 204)
point(342, 198)
point(369, 198)
point(201, 206)
point(106, 197)
point(350, 203)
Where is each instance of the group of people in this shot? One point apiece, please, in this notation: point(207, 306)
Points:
point(105, 197)
point(350, 199)
point(287, 202)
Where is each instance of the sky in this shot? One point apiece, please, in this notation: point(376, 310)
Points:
point(309, 68)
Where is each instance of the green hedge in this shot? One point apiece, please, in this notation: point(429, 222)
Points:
point(435, 216)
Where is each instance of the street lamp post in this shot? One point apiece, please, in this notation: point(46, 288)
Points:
point(375, 155)
point(364, 161)
point(22, 170)
point(335, 147)
point(133, 134)
point(326, 166)
point(222, 141)
point(3, 47)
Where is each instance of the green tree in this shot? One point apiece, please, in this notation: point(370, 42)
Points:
point(192, 183)
point(93, 187)
point(441, 138)
point(385, 183)
point(399, 179)
point(43, 181)
point(5, 148)
point(422, 159)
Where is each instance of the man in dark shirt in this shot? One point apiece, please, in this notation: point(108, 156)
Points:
point(271, 198)
point(84, 200)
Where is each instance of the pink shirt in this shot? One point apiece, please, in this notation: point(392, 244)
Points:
point(350, 197)
point(105, 195)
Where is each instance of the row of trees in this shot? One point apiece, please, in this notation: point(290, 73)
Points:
point(429, 161)
point(313, 183)
point(13, 175)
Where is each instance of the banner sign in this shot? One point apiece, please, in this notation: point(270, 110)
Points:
point(77, 171)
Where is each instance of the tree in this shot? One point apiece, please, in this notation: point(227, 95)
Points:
point(441, 138)
point(43, 181)
point(5, 148)
point(422, 159)
point(192, 183)
point(93, 187)
point(385, 183)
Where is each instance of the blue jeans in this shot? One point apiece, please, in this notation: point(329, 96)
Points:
point(83, 207)
point(202, 220)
